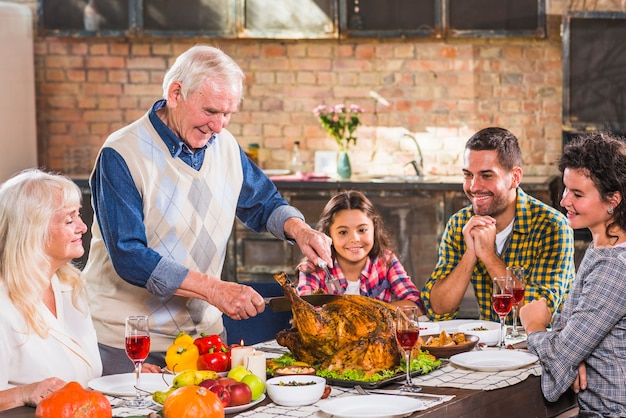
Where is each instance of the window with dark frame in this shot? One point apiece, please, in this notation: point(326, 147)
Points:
point(293, 19)
point(594, 80)
point(495, 18)
point(397, 18)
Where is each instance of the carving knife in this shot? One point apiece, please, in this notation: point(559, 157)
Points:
point(282, 304)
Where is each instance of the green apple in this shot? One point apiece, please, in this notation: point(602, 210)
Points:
point(256, 385)
point(238, 372)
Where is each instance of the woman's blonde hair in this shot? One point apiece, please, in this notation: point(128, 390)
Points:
point(28, 202)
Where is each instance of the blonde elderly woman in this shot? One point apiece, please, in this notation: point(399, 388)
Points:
point(46, 334)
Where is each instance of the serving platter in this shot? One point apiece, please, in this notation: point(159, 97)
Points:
point(400, 376)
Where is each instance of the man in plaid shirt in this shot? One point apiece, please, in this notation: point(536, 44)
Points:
point(502, 227)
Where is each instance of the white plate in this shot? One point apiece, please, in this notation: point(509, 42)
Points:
point(235, 409)
point(276, 172)
point(493, 360)
point(428, 328)
point(370, 406)
point(124, 384)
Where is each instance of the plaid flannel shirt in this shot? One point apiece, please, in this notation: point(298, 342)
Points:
point(541, 241)
point(590, 329)
point(379, 280)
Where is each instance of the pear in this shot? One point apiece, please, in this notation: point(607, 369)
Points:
point(186, 378)
point(202, 375)
point(159, 396)
point(193, 377)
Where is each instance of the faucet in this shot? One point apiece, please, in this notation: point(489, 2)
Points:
point(418, 161)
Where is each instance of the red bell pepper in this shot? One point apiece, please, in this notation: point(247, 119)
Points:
point(227, 349)
point(208, 343)
point(217, 360)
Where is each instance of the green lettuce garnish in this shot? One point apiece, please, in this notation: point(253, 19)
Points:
point(423, 362)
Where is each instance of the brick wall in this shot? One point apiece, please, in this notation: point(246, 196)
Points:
point(442, 91)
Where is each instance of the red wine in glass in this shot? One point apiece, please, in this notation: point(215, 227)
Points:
point(502, 301)
point(137, 347)
point(407, 332)
point(408, 338)
point(518, 277)
point(137, 343)
point(502, 304)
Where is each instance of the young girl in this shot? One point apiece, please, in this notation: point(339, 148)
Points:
point(363, 262)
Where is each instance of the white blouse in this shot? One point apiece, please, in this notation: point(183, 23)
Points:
point(70, 352)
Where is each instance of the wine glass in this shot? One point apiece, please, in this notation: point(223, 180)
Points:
point(517, 274)
point(407, 332)
point(502, 301)
point(137, 349)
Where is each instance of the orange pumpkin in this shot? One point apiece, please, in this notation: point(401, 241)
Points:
point(72, 401)
point(193, 402)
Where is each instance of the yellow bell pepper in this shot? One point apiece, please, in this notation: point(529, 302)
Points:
point(183, 339)
point(182, 354)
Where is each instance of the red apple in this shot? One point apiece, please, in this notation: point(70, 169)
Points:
point(226, 381)
point(240, 394)
point(222, 393)
point(208, 383)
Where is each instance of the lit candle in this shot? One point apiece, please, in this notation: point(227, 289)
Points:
point(255, 362)
point(238, 355)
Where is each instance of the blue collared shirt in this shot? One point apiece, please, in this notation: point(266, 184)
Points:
point(119, 211)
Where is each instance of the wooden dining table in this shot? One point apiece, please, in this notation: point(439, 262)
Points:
point(522, 400)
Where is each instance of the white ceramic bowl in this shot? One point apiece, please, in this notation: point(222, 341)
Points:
point(290, 394)
point(491, 336)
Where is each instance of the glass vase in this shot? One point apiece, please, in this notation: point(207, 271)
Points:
point(344, 170)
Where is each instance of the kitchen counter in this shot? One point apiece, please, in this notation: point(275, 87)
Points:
point(529, 183)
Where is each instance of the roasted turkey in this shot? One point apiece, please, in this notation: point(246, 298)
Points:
point(350, 333)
